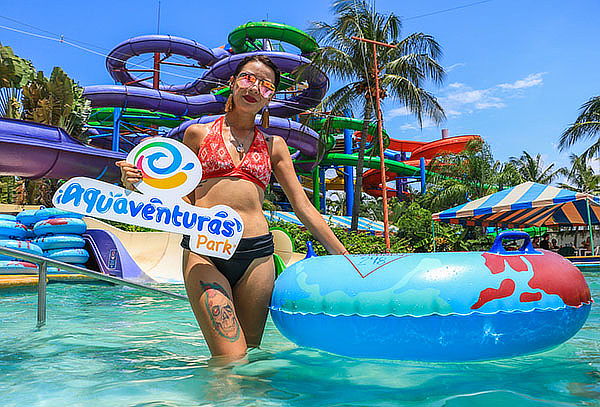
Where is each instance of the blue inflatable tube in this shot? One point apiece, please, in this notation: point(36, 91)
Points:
point(17, 267)
point(51, 242)
point(73, 256)
point(433, 306)
point(52, 213)
point(10, 218)
point(12, 230)
point(60, 226)
point(29, 217)
point(56, 270)
point(20, 245)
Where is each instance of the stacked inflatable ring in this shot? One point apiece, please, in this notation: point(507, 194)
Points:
point(50, 232)
point(433, 306)
point(12, 235)
point(59, 235)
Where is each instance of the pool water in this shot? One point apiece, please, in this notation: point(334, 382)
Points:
point(113, 346)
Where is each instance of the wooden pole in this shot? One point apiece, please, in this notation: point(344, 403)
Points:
point(386, 225)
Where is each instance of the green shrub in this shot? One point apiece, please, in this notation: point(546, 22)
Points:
point(355, 242)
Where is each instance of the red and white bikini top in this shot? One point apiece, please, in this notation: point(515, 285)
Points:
point(217, 162)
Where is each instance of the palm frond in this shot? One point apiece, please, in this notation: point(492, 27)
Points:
point(586, 126)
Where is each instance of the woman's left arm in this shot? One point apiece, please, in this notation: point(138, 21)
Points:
point(283, 168)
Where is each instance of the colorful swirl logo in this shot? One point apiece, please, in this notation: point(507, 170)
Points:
point(166, 165)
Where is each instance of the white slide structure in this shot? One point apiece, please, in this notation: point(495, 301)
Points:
point(157, 253)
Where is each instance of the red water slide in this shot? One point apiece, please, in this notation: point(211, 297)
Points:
point(418, 150)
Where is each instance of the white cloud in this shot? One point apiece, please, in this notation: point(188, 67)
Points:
point(454, 66)
point(400, 111)
point(534, 79)
point(409, 126)
point(459, 98)
point(415, 125)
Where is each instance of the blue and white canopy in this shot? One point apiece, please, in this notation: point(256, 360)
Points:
point(332, 220)
point(527, 204)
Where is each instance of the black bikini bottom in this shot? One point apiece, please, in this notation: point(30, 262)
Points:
point(248, 249)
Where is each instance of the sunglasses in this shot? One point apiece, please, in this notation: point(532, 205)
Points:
point(247, 80)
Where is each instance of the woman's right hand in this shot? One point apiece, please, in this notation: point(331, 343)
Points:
point(130, 174)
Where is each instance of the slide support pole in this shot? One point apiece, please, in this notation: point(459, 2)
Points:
point(348, 173)
point(422, 166)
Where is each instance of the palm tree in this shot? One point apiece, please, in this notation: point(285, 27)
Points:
point(15, 73)
point(586, 126)
point(403, 70)
point(532, 168)
point(581, 177)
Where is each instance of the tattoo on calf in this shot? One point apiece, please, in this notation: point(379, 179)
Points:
point(221, 312)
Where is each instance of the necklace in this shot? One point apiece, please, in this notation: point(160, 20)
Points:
point(239, 146)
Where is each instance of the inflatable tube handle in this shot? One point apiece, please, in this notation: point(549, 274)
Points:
point(310, 252)
point(526, 248)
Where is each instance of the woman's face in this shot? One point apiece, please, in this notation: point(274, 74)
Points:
point(251, 98)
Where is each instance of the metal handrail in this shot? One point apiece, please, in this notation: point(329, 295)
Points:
point(43, 263)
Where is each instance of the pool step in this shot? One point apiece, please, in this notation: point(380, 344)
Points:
point(24, 280)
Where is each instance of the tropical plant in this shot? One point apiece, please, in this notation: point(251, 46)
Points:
point(8, 186)
point(586, 126)
point(466, 176)
point(533, 169)
point(336, 206)
point(581, 177)
point(57, 101)
point(15, 73)
point(415, 225)
point(355, 242)
point(402, 71)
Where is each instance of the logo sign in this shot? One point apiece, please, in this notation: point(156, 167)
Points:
point(170, 170)
point(165, 166)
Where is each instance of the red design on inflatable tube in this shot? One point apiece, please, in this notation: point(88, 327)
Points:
point(506, 289)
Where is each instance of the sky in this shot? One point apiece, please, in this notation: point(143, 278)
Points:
point(517, 71)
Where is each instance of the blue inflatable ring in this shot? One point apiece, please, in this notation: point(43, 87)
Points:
point(12, 230)
point(74, 256)
point(60, 226)
point(51, 213)
point(29, 217)
point(17, 267)
point(10, 218)
point(432, 306)
point(20, 245)
point(51, 242)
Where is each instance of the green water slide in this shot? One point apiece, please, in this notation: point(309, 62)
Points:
point(335, 125)
point(244, 38)
point(104, 116)
point(371, 162)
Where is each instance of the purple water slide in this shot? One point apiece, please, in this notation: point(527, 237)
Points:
point(195, 99)
point(111, 257)
point(205, 103)
point(295, 134)
point(34, 150)
point(317, 82)
point(166, 44)
point(154, 100)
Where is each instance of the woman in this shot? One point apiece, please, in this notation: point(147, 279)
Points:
point(230, 298)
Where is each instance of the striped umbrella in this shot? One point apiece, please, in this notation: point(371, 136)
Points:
point(527, 204)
